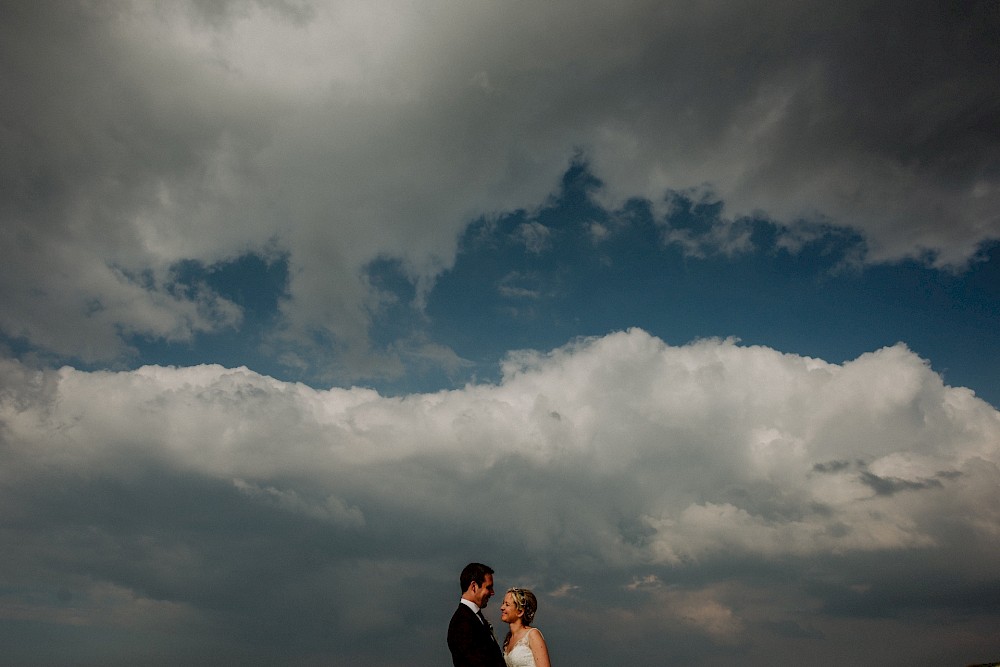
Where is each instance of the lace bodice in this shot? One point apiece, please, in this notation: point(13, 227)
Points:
point(520, 655)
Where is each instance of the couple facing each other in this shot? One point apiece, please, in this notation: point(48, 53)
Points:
point(471, 638)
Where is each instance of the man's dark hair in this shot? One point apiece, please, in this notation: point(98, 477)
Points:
point(474, 572)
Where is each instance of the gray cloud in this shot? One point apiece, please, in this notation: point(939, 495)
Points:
point(711, 500)
point(136, 137)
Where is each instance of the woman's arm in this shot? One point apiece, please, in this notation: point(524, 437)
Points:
point(536, 642)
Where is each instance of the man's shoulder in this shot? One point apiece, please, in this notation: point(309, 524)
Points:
point(465, 610)
point(463, 613)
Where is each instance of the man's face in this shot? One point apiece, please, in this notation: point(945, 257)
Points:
point(481, 594)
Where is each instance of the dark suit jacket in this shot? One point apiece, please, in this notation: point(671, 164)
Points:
point(471, 642)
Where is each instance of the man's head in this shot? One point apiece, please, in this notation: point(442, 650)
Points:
point(476, 581)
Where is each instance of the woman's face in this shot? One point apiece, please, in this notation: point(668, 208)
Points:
point(508, 610)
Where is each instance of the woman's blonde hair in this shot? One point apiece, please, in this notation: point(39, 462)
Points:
point(525, 601)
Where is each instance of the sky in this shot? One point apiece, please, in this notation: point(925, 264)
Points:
point(684, 315)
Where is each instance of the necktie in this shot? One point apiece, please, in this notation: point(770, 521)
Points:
point(487, 624)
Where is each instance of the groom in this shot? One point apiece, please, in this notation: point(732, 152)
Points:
point(470, 635)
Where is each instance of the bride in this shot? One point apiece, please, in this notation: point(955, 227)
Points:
point(524, 645)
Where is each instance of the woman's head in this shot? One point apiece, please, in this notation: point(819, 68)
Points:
point(519, 602)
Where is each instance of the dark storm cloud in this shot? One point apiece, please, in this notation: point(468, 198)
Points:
point(139, 137)
point(843, 110)
point(831, 466)
point(104, 140)
point(887, 486)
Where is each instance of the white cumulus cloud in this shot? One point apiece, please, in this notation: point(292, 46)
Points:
point(619, 455)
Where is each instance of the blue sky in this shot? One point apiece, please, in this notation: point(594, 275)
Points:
point(683, 315)
point(540, 279)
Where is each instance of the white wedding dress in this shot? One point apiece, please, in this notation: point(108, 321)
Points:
point(520, 655)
